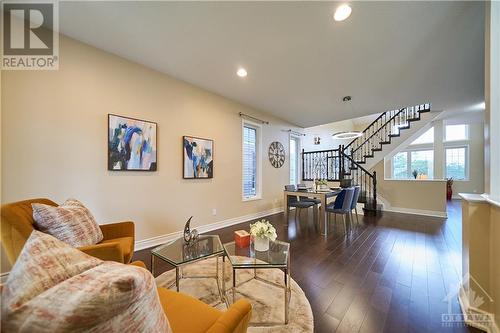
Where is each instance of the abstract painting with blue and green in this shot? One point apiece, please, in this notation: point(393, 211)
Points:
point(131, 144)
point(198, 157)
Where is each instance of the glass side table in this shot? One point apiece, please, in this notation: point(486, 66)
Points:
point(278, 256)
point(178, 254)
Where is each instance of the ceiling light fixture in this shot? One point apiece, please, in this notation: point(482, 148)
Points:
point(346, 135)
point(241, 72)
point(342, 12)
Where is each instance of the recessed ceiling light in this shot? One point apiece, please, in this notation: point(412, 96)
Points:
point(241, 72)
point(342, 12)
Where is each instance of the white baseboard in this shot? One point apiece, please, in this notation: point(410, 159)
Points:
point(423, 212)
point(158, 240)
point(468, 313)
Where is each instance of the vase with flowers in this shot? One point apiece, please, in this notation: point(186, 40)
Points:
point(262, 231)
point(321, 184)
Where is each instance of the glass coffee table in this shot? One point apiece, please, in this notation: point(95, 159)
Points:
point(278, 256)
point(178, 254)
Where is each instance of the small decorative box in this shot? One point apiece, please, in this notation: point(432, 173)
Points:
point(242, 238)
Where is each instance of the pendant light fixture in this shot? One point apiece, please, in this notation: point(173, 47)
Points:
point(345, 135)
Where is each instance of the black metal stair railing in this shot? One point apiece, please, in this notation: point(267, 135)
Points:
point(387, 125)
point(323, 164)
point(344, 163)
point(357, 175)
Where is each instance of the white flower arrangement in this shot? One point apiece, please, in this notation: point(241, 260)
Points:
point(263, 229)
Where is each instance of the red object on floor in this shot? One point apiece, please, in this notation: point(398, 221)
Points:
point(242, 238)
point(449, 193)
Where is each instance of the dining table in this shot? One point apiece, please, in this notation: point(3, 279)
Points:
point(322, 194)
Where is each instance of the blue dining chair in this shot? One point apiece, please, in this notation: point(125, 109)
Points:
point(341, 206)
point(354, 204)
point(297, 203)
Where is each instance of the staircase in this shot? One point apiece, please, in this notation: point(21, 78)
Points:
point(350, 164)
point(387, 130)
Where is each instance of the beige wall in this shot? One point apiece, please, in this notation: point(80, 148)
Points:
point(54, 132)
point(481, 250)
point(417, 196)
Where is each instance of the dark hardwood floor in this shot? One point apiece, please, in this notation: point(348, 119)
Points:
point(390, 273)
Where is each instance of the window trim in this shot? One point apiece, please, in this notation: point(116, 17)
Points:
point(467, 133)
point(467, 160)
point(258, 185)
point(408, 162)
point(393, 175)
point(298, 141)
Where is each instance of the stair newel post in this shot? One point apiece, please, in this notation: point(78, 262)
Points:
point(368, 188)
point(375, 190)
point(303, 165)
point(341, 154)
point(363, 186)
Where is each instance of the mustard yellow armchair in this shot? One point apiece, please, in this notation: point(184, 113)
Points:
point(189, 315)
point(17, 225)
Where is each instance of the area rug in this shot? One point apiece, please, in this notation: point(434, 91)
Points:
point(267, 300)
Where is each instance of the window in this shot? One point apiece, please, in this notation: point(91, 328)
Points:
point(456, 163)
point(456, 132)
point(406, 162)
point(427, 137)
point(423, 162)
point(400, 166)
point(251, 161)
point(294, 160)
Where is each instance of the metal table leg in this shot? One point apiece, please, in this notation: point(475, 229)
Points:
point(224, 279)
point(323, 217)
point(285, 288)
point(234, 285)
point(285, 204)
point(177, 278)
point(153, 265)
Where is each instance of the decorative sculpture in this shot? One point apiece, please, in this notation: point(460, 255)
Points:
point(190, 236)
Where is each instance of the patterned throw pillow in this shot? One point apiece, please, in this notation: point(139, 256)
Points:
point(70, 222)
point(43, 263)
point(109, 297)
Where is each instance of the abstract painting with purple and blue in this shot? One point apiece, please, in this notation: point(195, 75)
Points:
point(198, 157)
point(131, 144)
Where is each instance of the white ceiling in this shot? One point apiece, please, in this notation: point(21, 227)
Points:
point(300, 61)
